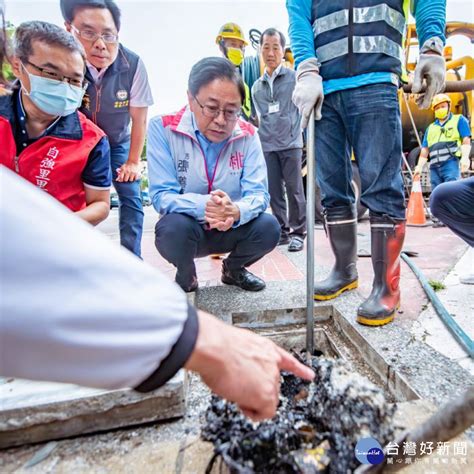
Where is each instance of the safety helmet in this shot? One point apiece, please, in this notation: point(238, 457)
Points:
point(230, 30)
point(439, 99)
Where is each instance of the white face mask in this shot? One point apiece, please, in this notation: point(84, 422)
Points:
point(54, 97)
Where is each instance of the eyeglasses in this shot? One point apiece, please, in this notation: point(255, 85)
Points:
point(54, 76)
point(212, 111)
point(92, 36)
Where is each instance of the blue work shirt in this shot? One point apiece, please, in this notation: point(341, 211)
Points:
point(430, 20)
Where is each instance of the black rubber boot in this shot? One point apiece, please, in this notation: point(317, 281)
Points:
point(387, 242)
point(341, 226)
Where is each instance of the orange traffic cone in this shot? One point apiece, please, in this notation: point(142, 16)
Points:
point(416, 211)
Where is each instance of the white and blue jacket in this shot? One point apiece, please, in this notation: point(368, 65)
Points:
point(184, 167)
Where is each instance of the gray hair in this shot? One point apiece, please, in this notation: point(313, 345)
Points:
point(30, 31)
point(273, 32)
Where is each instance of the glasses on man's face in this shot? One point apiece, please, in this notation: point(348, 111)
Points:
point(212, 111)
point(54, 76)
point(92, 36)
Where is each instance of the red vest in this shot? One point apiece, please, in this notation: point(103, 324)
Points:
point(51, 163)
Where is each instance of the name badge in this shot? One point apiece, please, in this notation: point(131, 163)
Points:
point(274, 107)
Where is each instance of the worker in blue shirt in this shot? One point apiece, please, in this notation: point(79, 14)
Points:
point(208, 180)
point(349, 60)
point(446, 143)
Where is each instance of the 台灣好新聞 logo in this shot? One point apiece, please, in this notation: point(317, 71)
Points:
point(369, 451)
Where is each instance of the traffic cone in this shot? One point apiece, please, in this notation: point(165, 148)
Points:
point(415, 210)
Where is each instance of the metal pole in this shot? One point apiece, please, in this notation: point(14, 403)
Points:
point(310, 198)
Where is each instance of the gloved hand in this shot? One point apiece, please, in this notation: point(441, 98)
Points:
point(465, 162)
point(418, 170)
point(308, 93)
point(419, 167)
point(432, 68)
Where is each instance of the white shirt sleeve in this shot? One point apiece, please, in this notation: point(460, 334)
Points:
point(140, 93)
point(77, 308)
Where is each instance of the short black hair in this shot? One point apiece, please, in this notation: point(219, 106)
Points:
point(274, 32)
point(30, 31)
point(69, 7)
point(209, 69)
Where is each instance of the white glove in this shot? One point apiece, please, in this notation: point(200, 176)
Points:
point(431, 67)
point(419, 167)
point(465, 160)
point(308, 93)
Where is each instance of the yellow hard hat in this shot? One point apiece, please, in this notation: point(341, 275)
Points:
point(439, 99)
point(230, 30)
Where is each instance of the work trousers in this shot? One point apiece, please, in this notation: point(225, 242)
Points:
point(284, 172)
point(367, 120)
point(130, 202)
point(444, 172)
point(453, 204)
point(180, 239)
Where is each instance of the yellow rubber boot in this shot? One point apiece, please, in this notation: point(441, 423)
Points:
point(384, 300)
point(341, 226)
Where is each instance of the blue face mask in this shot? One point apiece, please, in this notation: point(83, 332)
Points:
point(54, 97)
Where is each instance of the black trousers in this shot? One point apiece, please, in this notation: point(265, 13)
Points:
point(284, 168)
point(180, 239)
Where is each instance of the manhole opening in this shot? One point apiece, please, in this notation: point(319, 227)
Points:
point(334, 337)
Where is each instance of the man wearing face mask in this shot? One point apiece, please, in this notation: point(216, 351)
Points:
point(44, 138)
point(231, 41)
point(446, 143)
point(117, 101)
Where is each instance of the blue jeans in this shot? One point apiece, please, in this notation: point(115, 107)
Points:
point(130, 202)
point(366, 120)
point(453, 204)
point(444, 172)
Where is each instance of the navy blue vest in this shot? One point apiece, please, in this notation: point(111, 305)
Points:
point(107, 104)
point(355, 37)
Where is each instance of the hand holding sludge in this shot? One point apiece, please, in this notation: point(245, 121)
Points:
point(242, 367)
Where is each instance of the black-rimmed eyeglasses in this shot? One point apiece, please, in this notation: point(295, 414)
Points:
point(213, 111)
point(54, 76)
